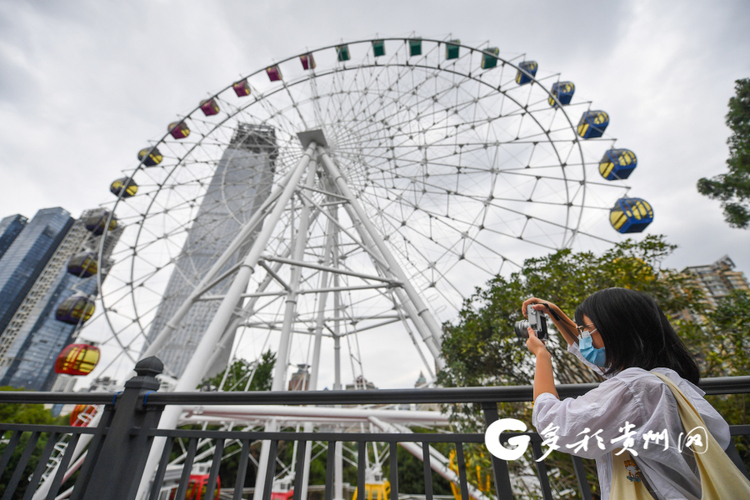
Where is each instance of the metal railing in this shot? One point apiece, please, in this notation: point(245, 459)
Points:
point(120, 444)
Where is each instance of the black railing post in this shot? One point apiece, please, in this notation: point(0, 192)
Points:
point(116, 473)
point(499, 467)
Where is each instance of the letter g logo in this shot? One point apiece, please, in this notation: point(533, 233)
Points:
point(492, 439)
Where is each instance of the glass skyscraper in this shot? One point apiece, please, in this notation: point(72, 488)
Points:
point(33, 337)
point(10, 228)
point(26, 257)
point(241, 183)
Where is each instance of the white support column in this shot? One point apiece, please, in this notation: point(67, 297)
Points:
point(433, 343)
point(315, 369)
point(282, 356)
point(197, 365)
point(338, 471)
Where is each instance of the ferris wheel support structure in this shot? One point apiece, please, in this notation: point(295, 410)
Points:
point(198, 363)
point(361, 220)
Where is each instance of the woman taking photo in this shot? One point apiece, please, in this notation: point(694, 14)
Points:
point(637, 424)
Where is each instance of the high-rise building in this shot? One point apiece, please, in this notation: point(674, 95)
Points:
point(10, 228)
point(241, 183)
point(717, 280)
point(33, 338)
point(27, 256)
point(300, 380)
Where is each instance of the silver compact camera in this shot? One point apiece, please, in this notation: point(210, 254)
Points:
point(536, 320)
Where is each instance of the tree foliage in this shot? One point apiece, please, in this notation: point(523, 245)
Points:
point(482, 349)
point(21, 413)
point(240, 372)
point(733, 188)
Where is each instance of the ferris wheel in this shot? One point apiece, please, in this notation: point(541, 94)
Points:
point(337, 206)
point(375, 183)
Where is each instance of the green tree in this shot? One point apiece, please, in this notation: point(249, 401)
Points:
point(482, 348)
point(240, 372)
point(237, 379)
point(18, 413)
point(733, 188)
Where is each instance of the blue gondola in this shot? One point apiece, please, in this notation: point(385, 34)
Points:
point(617, 164)
point(593, 124)
point(526, 72)
point(562, 93)
point(96, 222)
point(489, 57)
point(83, 264)
point(75, 309)
point(631, 215)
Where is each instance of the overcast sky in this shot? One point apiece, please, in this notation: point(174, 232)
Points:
point(85, 84)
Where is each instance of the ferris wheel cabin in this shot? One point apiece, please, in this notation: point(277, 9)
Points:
point(593, 124)
point(274, 73)
point(415, 47)
point(209, 107)
point(562, 93)
point(526, 72)
point(97, 221)
point(241, 88)
point(125, 186)
point(617, 164)
point(77, 359)
point(489, 57)
point(75, 309)
point(343, 52)
point(378, 48)
point(631, 215)
point(452, 49)
point(83, 265)
point(150, 157)
point(179, 130)
point(308, 61)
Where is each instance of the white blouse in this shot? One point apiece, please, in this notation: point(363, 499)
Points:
point(643, 401)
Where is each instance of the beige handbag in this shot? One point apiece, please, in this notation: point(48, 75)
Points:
point(720, 478)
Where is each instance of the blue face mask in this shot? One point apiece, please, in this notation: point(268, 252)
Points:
point(590, 353)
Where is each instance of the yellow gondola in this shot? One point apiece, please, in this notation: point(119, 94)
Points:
point(125, 186)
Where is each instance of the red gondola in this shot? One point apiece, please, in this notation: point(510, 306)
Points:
point(179, 130)
point(197, 487)
point(77, 359)
point(82, 415)
point(241, 88)
point(308, 61)
point(274, 73)
point(209, 107)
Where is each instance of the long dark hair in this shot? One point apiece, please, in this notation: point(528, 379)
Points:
point(636, 333)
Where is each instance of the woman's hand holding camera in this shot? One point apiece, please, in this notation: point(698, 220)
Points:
point(535, 345)
point(562, 322)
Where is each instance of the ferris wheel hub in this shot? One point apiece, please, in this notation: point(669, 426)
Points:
point(309, 136)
